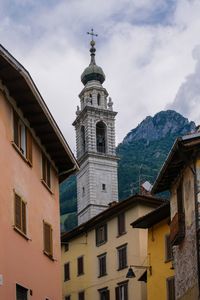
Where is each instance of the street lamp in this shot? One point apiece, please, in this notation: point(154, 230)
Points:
point(131, 274)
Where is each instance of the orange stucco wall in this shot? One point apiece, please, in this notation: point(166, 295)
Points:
point(22, 261)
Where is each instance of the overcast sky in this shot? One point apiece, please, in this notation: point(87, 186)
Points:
point(148, 49)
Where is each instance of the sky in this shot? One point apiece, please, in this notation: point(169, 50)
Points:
point(148, 49)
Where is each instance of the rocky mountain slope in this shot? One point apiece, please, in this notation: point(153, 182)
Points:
point(141, 153)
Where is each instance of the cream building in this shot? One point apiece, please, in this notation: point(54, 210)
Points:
point(96, 255)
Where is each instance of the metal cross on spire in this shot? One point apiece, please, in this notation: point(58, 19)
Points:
point(92, 33)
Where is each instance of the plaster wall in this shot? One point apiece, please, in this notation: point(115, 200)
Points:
point(22, 260)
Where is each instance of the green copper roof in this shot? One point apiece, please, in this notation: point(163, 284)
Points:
point(93, 72)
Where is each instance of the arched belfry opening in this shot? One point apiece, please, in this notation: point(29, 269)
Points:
point(101, 137)
point(83, 139)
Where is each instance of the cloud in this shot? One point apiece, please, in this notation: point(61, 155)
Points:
point(144, 47)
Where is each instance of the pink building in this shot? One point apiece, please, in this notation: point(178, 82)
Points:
point(34, 158)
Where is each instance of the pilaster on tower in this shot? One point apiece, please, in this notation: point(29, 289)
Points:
point(97, 183)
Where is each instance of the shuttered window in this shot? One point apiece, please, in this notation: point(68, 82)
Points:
point(102, 264)
point(20, 214)
point(121, 291)
point(80, 267)
point(81, 295)
point(46, 171)
point(48, 239)
point(21, 293)
point(121, 224)
point(168, 248)
point(104, 294)
point(66, 271)
point(22, 137)
point(122, 257)
point(170, 284)
point(67, 297)
point(101, 234)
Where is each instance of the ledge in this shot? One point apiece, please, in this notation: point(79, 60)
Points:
point(50, 256)
point(119, 235)
point(47, 187)
point(21, 154)
point(21, 233)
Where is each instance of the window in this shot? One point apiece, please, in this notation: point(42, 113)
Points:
point(46, 171)
point(22, 138)
point(121, 291)
point(48, 239)
point(83, 191)
point(121, 223)
point(104, 294)
point(20, 214)
point(83, 139)
point(101, 137)
point(103, 187)
point(66, 247)
point(80, 267)
point(170, 284)
point(122, 257)
point(98, 99)
point(66, 272)
point(21, 293)
point(168, 248)
point(102, 264)
point(68, 297)
point(101, 235)
point(81, 295)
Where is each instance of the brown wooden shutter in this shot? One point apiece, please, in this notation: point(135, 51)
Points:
point(16, 128)
point(47, 238)
point(48, 172)
point(107, 295)
point(44, 177)
point(168, 248)
point(18, 222)
point(28, 145)
point(126, 292)
point(80, 265)
point(23, 214)
point(117, 293)
point(66, 272)
point(121, 223)
point(170, 288)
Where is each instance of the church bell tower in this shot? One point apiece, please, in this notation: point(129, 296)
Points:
point(97, 183)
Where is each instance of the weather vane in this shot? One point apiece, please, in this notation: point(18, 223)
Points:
point(92, 33)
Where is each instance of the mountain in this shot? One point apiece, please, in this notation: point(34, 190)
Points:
point(141, 153)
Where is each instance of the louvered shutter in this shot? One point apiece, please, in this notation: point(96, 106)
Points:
point(66, 272)
point(107, 295)
point(18, 222)
point(16, 129)
point(170, 288)
point(44, 177)
point(47, 239)
point(121, 223)
point(28, 146)
point(117, 296)
point(126, 292)
point(80, 265)
point(23, 217)
point(48, 174)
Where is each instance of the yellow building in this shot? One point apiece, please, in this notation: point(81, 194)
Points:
point(96, 254)
point(159, 272)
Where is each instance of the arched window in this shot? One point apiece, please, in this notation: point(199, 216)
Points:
point(98, 99)
point(83, 138)
point(101, 137)
point(91, 99)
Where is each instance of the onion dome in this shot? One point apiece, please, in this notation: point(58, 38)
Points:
point(93, 72)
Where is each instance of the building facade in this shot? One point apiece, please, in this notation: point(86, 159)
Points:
point(160, 271)
point(181, 175)
point(96, 254)
point(34, 158)
point(95, 140)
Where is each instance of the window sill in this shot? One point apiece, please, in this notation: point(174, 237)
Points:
point(121, 234)
point(21, 233)
point(21, 154)
point(78, 275)
point(102, 275)
point(119, 269)
point(47, 187)
point(102, 243)
point(50, 256)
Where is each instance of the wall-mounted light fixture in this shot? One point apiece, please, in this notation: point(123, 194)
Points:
point(131, 274)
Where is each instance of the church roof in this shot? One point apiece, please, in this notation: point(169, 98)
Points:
point(93, 72)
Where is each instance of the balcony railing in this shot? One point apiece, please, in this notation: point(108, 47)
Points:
point(177, 228)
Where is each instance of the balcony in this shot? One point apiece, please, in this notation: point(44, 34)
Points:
point(177, 229)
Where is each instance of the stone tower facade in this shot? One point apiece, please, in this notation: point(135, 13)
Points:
point(97, 183)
